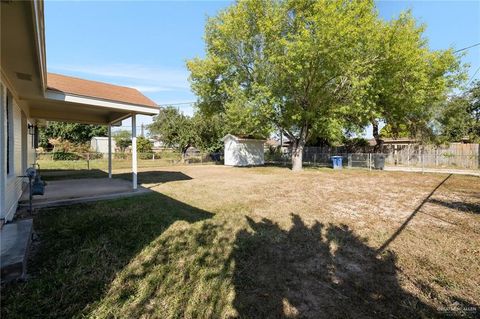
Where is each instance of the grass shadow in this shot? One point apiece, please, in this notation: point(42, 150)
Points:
point(83, 247)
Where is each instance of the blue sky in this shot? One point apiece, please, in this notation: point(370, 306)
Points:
point(145, 44)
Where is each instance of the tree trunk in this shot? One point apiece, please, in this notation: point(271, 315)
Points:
point(297, 154)
point(376, 135)
point(184, 153)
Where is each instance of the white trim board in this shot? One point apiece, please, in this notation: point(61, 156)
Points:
point(59, 96)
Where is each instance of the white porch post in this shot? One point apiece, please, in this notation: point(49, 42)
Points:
point(134, 151)
point(109, 150)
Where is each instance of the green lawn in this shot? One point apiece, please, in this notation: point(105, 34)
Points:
point(218, 242)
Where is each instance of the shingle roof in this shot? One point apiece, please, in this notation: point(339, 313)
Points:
point(72, 85)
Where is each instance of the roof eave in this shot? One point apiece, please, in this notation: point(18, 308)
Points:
point(39, 29)
point(81, 99)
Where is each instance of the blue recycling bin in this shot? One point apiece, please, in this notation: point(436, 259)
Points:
point(337, 162)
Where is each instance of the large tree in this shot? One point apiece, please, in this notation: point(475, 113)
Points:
point(288, 65)
point(314, 69)
point(409, 81)
point(72, 132)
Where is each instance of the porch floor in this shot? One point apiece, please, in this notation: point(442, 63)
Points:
point(73, 191)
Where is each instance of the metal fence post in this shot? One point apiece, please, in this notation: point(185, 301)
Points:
point(315, 159)
point(369, 161)
point(423, 161)
point(349, 159)
point(88, 161)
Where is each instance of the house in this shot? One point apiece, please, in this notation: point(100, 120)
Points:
point(100, 144)
point(29, 96)
point(241, 151)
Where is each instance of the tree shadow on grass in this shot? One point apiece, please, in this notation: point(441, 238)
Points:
point(316, 272)
point(81, 248)
point(465, 207)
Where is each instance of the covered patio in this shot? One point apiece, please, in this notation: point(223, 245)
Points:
point(70, 99)
point(30, 97)
point(74, 191)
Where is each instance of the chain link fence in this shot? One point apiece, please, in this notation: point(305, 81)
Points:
point(313, 157)
point(93, 160)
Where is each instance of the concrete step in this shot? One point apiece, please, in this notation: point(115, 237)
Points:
point(15, 241)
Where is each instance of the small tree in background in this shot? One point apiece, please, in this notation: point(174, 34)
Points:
point(123, 139)
point(174, 129)
point(460, 117)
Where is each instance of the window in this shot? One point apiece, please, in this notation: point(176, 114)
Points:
point(9, 117)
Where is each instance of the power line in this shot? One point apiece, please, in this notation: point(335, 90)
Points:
point(172, 104)
point(473, 76)
point(473, 45)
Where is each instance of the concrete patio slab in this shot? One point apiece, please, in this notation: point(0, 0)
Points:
point(74, 191)
point(14, 242)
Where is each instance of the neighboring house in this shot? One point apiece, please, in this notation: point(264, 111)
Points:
point(243, 151)
point(29, 96)
point(99, 144)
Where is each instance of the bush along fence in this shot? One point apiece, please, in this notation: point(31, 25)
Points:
point(95, 160)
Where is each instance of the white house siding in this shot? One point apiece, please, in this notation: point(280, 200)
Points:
point(243, 152)
point(23, 155)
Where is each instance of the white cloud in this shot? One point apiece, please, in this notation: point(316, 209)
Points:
point(146, 89)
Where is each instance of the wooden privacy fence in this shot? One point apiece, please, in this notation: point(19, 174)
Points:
point(455, 155)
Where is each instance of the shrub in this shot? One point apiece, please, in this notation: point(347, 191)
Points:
point(94, 155)
point(144, 145)
point(65, 156)
point(121, 155)
point(145, 156)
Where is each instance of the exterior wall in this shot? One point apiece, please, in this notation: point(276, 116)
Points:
point(243, 152)
point(22, 156)
point(100, 144)
point(3, 139)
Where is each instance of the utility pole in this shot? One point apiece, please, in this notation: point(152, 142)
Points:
point(142, 131)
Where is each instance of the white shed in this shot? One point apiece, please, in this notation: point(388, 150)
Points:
point(99, 144)
point(243, 151)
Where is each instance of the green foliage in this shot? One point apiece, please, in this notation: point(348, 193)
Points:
point(408, 80)
point(123, 139)
point(210, 130)
point(292, 65)
point(65, 156)
point(144, 145)
point(390, 131)
point(460, 117)
point(355, 144)
point(73, 132)
point(317, 68)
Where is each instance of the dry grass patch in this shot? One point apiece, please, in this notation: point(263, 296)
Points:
point(219, 242)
